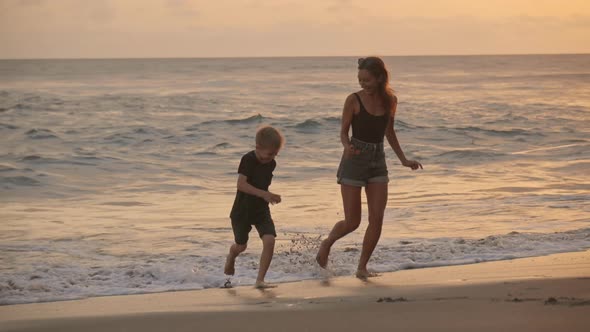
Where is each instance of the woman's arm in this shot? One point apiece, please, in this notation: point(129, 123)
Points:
point(347, 114)
point(393, 141)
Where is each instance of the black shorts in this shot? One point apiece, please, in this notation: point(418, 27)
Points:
point(243, 225)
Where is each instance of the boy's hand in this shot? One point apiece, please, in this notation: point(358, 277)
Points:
point(272, 198)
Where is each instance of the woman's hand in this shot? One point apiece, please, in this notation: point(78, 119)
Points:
point(414, 165)
point(350, 151)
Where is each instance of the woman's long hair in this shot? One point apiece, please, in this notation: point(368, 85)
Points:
point(376, 67)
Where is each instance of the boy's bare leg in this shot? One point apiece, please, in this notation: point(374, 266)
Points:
point(230, 261)
point(268, 247)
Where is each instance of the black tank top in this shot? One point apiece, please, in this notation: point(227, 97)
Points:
point(367, 127)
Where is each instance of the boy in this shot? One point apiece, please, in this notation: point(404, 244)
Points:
point(251, 202)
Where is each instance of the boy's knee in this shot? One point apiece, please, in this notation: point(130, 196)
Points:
point(268, 240)
point(240, 247)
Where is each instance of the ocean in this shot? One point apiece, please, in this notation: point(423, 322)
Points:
point(118, 176)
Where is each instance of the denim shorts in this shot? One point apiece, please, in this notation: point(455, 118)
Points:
point(366, 167)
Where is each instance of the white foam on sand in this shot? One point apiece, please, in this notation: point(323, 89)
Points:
point(294, 260)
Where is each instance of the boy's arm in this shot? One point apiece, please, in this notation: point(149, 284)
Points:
point(247, 188)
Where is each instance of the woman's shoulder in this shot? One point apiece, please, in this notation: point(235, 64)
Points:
point(352, 104)
point(351, 99)
point(393, 104)
point(353, 95)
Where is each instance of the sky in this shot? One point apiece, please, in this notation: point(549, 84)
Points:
point(244, 28)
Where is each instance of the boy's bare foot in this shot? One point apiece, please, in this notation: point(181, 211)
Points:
point(263, 285)
point(364, 274)
point(229, 265)
point(322, 256)
point(227, 284)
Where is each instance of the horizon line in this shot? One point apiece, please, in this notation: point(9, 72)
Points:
point(288, 56)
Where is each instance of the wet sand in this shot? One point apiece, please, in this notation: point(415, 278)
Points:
point(550, 293)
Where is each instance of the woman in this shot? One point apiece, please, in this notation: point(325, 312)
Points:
point(370, 112)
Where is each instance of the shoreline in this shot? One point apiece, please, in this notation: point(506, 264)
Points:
point(527, 294)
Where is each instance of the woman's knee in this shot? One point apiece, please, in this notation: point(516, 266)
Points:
point(376, 220)
point(352, 224)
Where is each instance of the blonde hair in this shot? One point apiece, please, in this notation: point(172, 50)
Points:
point(269, 137)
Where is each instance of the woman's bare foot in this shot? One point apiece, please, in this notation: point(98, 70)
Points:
point(322, 256)
point(229, 265)
point(263, 285)
point(364, 274)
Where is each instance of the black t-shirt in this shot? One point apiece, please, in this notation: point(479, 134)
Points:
point(260, 176)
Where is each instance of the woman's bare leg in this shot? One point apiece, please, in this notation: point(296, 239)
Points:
point(351, 200)
point(376, 201)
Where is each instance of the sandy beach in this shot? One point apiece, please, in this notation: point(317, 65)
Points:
point(550, 293)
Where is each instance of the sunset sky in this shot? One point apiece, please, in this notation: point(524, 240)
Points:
point(238, 28)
